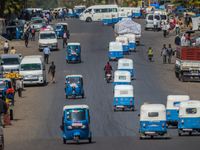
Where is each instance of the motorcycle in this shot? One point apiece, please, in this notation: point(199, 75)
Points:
point(108, 77)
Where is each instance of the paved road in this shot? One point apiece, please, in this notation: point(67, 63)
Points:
point(38, 114)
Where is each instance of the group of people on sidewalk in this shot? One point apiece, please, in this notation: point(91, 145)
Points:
point(6, 48)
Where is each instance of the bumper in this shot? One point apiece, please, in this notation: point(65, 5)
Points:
point(33, 81)
point(52, 47)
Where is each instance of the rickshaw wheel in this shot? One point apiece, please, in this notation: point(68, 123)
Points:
point(90, 139)
point(190, 133)
point(64, 141)
point(179, 133)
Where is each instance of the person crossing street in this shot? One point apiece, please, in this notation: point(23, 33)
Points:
point(46, 52)
point(52, 71)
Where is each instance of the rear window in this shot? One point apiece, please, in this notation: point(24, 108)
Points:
point(157, 17)
point(122, 77)
point(150, 17)
point(153, 114)
point(163, 17)
point(191, 110)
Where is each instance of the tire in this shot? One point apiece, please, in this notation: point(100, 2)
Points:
point(88, 19)
point(179, 133)
point(145, 29)
point(83, 95)
point(176, 74)
point(64, 141)
point(90, 139)
point(45, 83)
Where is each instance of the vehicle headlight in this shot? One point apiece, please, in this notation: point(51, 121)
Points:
point(54, 44)
point(83, 127)
point(144, 124)
point(69, 127)
point(40, 76)
point(182, 121)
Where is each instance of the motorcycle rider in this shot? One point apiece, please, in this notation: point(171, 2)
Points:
point(108, 69)
point(150, 54)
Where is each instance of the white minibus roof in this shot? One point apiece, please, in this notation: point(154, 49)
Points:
point(122, 76)
point(123, 91)
point(189, 109)
point(122, 39)
point(152, 112)
point(173, 99)
point(75, 107)
point(125, 63)
point(115, 46)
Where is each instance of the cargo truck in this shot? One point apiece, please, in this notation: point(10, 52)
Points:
point(187, 66)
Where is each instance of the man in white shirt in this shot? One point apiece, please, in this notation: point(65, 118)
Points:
point(46, 52)
point(6, 47)
point(155, 24)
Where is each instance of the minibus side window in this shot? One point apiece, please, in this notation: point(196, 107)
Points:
point(104, 10)
point(97, 10)
point(191, 110)
point(88, 11)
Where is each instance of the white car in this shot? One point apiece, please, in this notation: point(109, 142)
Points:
point(48, 38)
point(33, 70)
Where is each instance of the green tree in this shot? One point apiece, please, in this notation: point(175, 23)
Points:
point(8, 7)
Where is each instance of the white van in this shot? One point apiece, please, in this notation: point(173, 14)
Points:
point(97, 12)
point(48, 38)
point(32, 68)
point(149, 21)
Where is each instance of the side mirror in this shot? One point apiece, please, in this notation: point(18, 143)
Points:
point(62, 127)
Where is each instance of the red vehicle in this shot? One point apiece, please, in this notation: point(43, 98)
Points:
point(187, 66)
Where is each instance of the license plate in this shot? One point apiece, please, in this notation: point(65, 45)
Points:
point(120, 106)
point(77, 124)
point(187, 129)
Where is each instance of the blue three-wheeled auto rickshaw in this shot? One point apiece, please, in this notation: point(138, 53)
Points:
point(76, 123)
point(74, 86)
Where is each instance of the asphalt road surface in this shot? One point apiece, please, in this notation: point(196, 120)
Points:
point(38, 114)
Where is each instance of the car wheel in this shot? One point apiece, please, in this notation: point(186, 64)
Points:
point(89, 19)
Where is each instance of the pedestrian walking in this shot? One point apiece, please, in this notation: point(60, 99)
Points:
point(155, 24)
point(6, 47)
point(177, 28)
point(19, 87)
point(46, 52)
point(3, 110)
point(52, 71)
point(33, 33)
point(169, 53)
point(150, 54)
point(164, 54)
point(164, 29)
point(13, 50)
point(64, 39)
point(26, 38)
